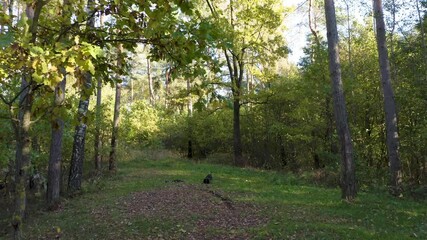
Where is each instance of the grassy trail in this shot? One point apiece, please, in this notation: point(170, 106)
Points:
point(143, 202)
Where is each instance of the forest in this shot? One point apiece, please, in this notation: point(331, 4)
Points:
point(105, 101)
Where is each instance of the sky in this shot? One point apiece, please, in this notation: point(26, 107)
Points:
point(296, 29)
point(296, 20)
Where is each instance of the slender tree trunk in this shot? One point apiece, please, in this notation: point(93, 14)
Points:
point(55, 157)
point(78, 154)
point(392, 136)
point(116, 121)
point(98, 142)
point(167, 83)
point(98, 119)
point(150, 83)
point(22, 162)
point(114, 138)
point(237, 91)
point(10, 8)
point(423, 38)
point(190, 115)
point(348, 179)
point(57, 130)
point(4, 3)
point(22, 130)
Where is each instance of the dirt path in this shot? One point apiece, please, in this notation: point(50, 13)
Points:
point(199, 211)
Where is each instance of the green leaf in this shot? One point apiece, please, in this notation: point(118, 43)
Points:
point(36, 51)
point(6, 39)
point(88, 66)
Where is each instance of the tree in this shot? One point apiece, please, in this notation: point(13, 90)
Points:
point(57, 128)
point(348, 179)
point(150, 83)
point(116, 120)
point(392, 136)
point(98, 109)
point(22, 128)
point(78, 154)
point(250, 29)
point(55, 157)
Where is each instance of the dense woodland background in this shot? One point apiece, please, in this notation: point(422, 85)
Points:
point(83, 83)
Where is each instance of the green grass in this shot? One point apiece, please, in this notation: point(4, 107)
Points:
point(295, 210)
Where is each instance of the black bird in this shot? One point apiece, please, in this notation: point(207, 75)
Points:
point(208, 179)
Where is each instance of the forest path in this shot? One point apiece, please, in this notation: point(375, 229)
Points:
point(141, 201)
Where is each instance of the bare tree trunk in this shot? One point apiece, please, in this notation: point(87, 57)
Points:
point(10, 6)
point(98, 119)
point(22, 162)
point(57, 130)
point(237, 92)
point(348, 179)
point(190, 114)
point(116, 121)
point(114, 138)
point(4, 3)
point(423, 38)
point(392, 137)
point(150, 83)
point(55, 157)
point(167, 83)
point(22, 130)
point(78, 154)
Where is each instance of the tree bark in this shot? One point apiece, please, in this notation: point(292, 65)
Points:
point(116, 121)
point(98, 120)
point(168, 78)
point(115, 135)
point(423, 38)
point(190, 114)
point(22, 131)
point(233, 69)
point(22, 160)
point(78, 154)
point(150, 83)
point(57, 130)
point(392, 136)
point(55, 157)
point(98, 142)
point(348, 179)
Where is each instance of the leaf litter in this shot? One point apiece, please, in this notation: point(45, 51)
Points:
point(199, 212)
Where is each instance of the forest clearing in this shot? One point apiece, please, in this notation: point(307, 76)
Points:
point(143, 202)
point(291, 119)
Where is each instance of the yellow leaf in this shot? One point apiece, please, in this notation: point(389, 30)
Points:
point(70, 69)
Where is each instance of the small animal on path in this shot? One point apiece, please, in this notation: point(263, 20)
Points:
point(208, 179)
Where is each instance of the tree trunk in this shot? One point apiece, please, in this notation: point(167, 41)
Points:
point(55, 157)
point(57, 130)
point(235, 69)
point(348, 180)
point(423, 38)
point(98, 142)
point(114, 138)
point(98, 119)
point(22, 130)
point(78, 154)
point(22, 160)
point(150, 83)
point(167, 83)
point(190, 114)
point(237, 89)
point(392, 136)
